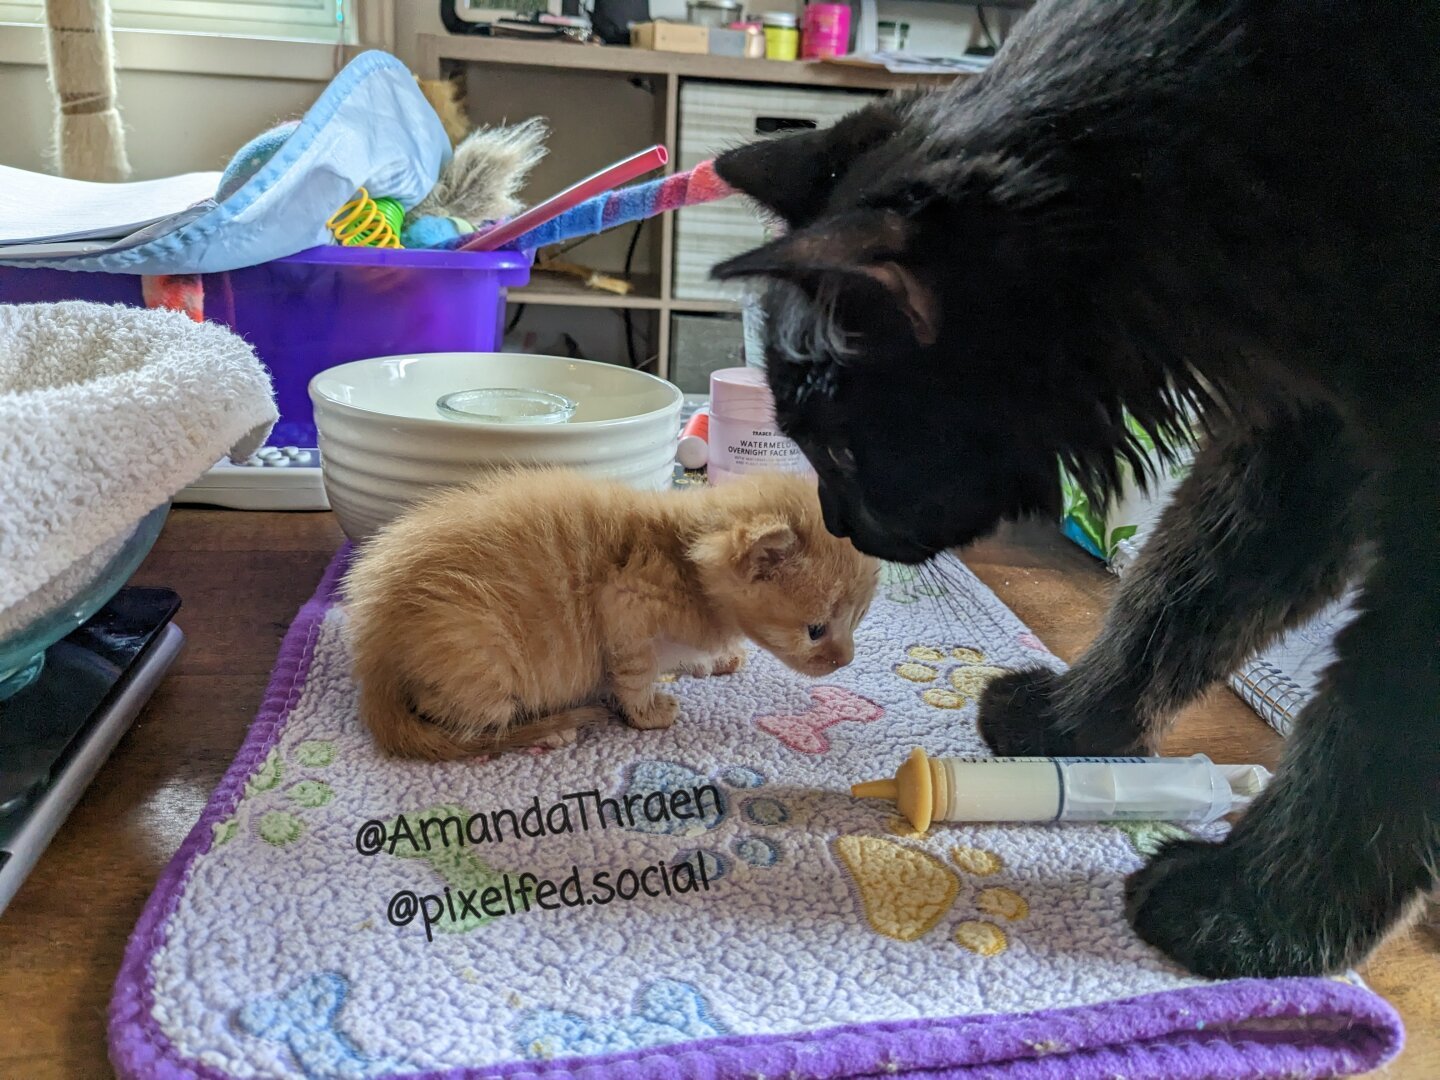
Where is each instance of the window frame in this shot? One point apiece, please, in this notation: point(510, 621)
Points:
point(324, 22)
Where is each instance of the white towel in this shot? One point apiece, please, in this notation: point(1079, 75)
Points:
point(105, 413)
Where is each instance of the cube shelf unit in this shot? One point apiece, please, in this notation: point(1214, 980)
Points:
point(445, 56)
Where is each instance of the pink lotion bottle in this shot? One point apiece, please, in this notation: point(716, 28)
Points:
point(744, 438)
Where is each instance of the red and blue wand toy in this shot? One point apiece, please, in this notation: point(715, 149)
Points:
point(589, 207)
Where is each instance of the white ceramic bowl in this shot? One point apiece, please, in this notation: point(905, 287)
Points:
point(384, 442)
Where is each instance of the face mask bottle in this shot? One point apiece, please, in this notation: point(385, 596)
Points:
point(744, 438)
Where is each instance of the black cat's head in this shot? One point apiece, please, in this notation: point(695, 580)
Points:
point(927, 338)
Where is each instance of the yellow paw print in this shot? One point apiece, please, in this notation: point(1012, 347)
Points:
point(905, 892)
point(981, 936)
point(984, 938)
point(977, 861)
point(960, 673)
point(1003, 903)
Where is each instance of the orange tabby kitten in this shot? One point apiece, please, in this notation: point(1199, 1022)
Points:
point(512, 610)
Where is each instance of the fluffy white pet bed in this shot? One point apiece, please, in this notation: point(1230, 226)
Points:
point(106, 412)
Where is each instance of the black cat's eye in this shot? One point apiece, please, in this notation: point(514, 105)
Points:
point(816, 631)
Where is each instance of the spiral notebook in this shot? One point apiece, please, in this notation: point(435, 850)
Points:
point(1278, 682)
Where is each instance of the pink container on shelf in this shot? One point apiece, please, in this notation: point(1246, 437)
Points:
point(743, 436)
point(826, 32)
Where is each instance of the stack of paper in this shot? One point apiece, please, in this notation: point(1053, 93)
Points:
point(901, 63)
point(50, 216)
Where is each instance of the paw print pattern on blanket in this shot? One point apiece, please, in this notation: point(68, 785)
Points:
point(284, 824)
point(756, 851)
point(964, 680)
point(710, 804)
point(666, 1011)
point(647, 793)
point(906, 891)
point(462, 870)
point(830, 705)
point(728, 788)
point(306, 1021)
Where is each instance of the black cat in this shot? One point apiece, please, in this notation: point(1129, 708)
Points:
point(1226, 209)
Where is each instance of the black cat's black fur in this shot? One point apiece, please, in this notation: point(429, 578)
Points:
point(1221, 210)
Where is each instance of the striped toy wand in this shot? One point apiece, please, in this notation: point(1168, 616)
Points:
point(605, 211)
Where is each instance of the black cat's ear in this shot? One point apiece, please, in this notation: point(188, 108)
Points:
point(863, 253)
point(793, 175)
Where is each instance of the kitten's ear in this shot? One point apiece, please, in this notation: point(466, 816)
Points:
point(863, 252)
point(793, 175)
point(754, 550)
point(763, 547)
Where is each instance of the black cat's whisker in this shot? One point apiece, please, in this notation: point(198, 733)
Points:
point(930, 583)
point(942, 589)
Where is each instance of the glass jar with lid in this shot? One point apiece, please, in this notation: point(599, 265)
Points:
point(714, 14)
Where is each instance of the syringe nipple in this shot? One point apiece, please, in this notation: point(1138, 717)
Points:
point(876, 789)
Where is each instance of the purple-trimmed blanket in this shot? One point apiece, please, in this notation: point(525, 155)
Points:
point(704, 902)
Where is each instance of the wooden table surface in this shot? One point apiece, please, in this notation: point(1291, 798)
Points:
point(242, 577)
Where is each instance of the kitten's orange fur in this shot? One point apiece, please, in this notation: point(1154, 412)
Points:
point(512, 610)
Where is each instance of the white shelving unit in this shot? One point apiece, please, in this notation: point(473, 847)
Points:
point(446, 56)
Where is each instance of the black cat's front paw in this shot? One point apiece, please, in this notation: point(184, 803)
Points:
point(1017, 718)
point(1203, 906)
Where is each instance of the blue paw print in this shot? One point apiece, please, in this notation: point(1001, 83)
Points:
point(721, 788)
point(305, 1021)
point(756, 850)
point(667, 1011)
point(737, 776)
point(704, 801)
point(765, 811)
point(705, 804)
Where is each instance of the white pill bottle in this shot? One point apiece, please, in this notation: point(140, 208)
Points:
point(744, 438)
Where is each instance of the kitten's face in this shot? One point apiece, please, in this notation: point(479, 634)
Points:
point(910, 340)
point(807, 614)
point(795, 590)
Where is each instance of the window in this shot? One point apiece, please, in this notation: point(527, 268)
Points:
point(305, 20)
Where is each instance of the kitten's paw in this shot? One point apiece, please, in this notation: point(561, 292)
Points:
point(1017, 719)
point(1200, 904)
point(657, 714)
point(728, 665)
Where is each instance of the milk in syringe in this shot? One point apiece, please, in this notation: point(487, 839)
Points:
point(1192, 789)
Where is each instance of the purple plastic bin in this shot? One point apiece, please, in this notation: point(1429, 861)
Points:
point(326, 306)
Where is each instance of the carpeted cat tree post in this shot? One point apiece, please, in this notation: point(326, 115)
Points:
point(89, 138)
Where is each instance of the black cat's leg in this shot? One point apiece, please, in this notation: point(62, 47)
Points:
point(1347, 837)
point(1258, 537)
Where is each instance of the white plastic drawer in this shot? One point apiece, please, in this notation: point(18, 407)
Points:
point(718, 116)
